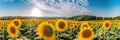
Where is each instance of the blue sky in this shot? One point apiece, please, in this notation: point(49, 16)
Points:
point(105, 8)
point(14, 7)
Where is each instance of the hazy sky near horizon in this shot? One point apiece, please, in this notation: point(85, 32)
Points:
point(64, 8)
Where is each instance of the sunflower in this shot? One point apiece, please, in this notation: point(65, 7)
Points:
point(90, 23)
point(55, 20)
point(33, 22)
point(24, 21)
point(71, 22)
point(46, 31)
point(100, 23)
point(1, 22)
point(8, 22)
point(17, 22)
point(61, 25)
point(12, 30)
point(76, 25)
point(71, 25)
point(4, 22)
point(39, 22)
point(97, 23)
point(91, 27)
point(119, 25)
point(84, 25)
point(107, 24)
point(1, 28)
point(86, 34)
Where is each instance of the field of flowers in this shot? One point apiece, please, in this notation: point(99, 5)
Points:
point(59, 29)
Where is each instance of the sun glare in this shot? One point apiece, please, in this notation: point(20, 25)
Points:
point(36, 12)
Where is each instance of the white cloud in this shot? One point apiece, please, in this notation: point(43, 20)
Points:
point(62, 7)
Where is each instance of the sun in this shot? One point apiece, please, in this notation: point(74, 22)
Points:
point(36, 12)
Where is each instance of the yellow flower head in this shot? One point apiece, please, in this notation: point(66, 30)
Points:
point(76, 25)
point(1, 22)
point(61, 25)
point(90, 23)
point(24, 21)
point(71, 25)
point(33, 22)
point(91, 27)
point(86, 34)
point(46, 31)
point(12, 31)
point(107, 24)
point(84, 25)
point(17, 22)
point(119, 25)
point(1, 27)
point(100, 23)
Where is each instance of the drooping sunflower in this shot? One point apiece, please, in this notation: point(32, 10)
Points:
point(107, 24)
point(16, 22)
point(46, 31)
point(84, 25)
point(12, 30)
point(86, 34)
point(61, 25)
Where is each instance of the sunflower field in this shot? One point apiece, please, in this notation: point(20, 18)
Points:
point(59, 29)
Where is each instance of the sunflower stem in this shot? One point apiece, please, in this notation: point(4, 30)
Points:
point(104, 34)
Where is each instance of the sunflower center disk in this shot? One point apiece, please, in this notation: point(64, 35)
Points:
point(75, 26)
point(107, 25)
point(12, 29)
point(1, 27)
point(47, 31)
point(86, 33)
point(61, 25)
point(16, 23)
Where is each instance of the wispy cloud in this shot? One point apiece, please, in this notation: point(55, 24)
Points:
point(62, 7)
